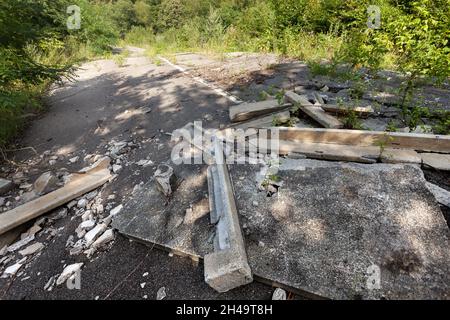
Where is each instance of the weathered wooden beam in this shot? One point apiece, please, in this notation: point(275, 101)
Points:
point(263, 122)
point(316, 113)
point(77, 186)
point(414, 141)
point(245, 111)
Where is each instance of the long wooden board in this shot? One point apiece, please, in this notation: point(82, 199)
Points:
point(262, 122)
point(414, 141)
point(79, 185)
point(337, 152)
point(315, 112)
point(245, 111)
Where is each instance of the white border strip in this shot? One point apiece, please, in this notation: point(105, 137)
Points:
point(217, 90)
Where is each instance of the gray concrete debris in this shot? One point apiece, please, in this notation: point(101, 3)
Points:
point(227, 268)
point(161, 294)
point(279, 294)
point(45, 183)
point(165, 179)
point(5, 186)
point(68, 271)
point(12, 270)
point(32, 249)
point(19, 244)
point(442, 196)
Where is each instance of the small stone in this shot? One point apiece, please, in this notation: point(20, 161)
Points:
point(87, 216)
point(50, 283)
point(279, 294)
point(87, 225)
point(26, 186)
point(143, 285)
point(52, 162)
point(5, 185)
point(116, 168)
point(92, 235)
point(91, 195)
point(99, 209)
point(82, 203)
point(12, 270)
point(32, 231)
point(255, 203)
point(165, 179)
point(20, 244)
point(116, 210)
point(74, 159)
point(68, 272)
point(145, 274)
point(145, 297)
point(145, 163)
point(32, 249)
point(71, 204)
point(161, 294)
point(45, 183)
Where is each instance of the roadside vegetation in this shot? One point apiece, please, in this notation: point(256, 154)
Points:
point(37, 48)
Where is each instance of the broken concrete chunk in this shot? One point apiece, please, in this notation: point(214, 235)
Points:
point(20, 244)
point(279, 294)
point(116, 210)
point(92, 235)
point(87, 225)
point(32, 249)
point(161, 294)
point(227, 268)
point(106, 237)
point(442, 196)
point(144, 163)
point(11, 270)
point(165, 179)
point(74, 159)
point(45, 183)
point(116, 168)
point(5, 186)
point(68, 272)
point(82, 203)
point(436, 160)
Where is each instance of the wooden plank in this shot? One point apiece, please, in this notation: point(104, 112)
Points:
point(337, 152)
point(315, 112)
point(436, 160)
point(360, 111)
point(245, 111)
point(331, 152)
point(262, 122)
point(77, 186)
point(415, 141)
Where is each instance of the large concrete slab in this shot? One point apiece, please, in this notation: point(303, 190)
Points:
point(180, 224)
point(328, 226)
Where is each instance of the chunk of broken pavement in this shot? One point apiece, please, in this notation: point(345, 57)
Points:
point(92, 235)
point(21, 243)
point(32, 249)
point(5, 186)
point(165, 179)
point(11, 270)
point(68, 272)
point(161, 294)
point(45, 183)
